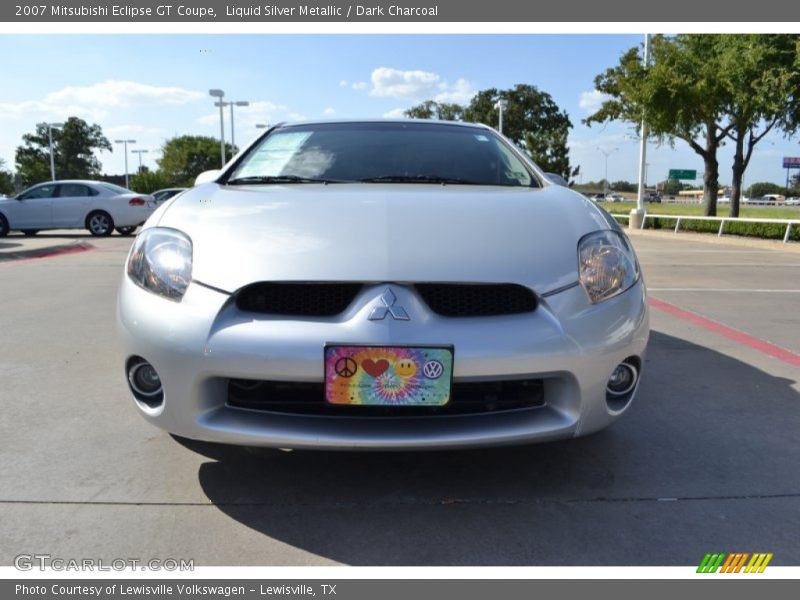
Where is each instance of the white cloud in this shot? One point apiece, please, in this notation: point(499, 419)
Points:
point(461, 92)
point(360, 85)
point(344, 83)
point(395, 113)
point(329, 111)
point(93, 101)
point(419, 85)
point(130, 130)
point(591, 101)
point(411, 85)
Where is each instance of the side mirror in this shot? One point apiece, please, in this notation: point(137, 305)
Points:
point(207, 176)
point(557, 179)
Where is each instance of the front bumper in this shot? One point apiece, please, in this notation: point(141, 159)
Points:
point(197, 345)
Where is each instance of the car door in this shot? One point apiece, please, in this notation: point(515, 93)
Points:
point(34, 208)
point(71, 205)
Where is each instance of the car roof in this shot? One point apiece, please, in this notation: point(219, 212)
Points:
point(375, 120)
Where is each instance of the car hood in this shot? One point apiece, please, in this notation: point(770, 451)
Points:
point(383, 232)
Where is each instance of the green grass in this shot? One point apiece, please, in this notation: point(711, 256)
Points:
point(766, 212)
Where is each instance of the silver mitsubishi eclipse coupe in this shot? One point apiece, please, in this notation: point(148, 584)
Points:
point(382, 285)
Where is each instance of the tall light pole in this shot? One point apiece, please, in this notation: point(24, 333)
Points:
point(215, 93)
point(606, 153)
point(501, 105)
point(125, 143)
point(140, 152)
point(232, 104)
point(50, 127)
point(636, 219)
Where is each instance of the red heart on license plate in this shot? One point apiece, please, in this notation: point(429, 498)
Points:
point(375, 367)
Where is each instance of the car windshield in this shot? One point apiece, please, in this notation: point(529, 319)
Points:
point(382, 152)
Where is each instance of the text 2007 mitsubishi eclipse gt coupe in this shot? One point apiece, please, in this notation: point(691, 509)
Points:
point(382, 285)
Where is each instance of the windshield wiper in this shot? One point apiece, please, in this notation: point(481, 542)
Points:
point(256, 179)
point(418, 179)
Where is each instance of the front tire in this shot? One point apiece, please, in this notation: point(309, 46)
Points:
point(3, 226)
point(30, 232)
point(126, 230)
point(100, 224)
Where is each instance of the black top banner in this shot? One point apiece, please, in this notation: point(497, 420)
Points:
point(710, 11)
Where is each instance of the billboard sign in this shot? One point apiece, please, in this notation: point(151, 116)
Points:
point(791, 162)
point(679, 174)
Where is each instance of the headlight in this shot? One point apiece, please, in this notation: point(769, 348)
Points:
point(161, 262)
point(607, 265)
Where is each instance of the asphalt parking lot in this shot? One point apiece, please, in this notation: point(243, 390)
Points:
point(706, 460)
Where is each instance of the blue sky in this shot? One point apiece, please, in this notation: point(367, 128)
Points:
point(152, 87)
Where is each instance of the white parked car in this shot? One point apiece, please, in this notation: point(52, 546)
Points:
point(615, 198)
point(97, 206)
point(382, 285)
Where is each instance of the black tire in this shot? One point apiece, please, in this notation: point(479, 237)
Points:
point(30, 232)
point(3, 226)
point(126, 230)
point(100, 224)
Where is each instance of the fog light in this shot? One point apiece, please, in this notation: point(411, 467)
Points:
point(622, 380)
point(144, 379)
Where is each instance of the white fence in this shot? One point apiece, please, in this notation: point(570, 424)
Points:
point(722, 220)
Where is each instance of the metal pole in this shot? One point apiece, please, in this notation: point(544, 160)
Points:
point(125, 144)
point(52, 159)
point(233, 143)
point(501, 118)
point(637, 215)
point(221, 135)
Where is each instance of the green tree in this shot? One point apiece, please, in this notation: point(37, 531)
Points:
point(532, 120)
point(6, 179)
point(183, 158)
point(430, 109)
point(705, 89)
point(74, 148)
point(763, 94)
point(147, 182)
point(762, 188)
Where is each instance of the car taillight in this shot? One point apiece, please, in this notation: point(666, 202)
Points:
point(137, 202)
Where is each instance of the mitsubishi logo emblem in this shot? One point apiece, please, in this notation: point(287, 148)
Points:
point(388, 299)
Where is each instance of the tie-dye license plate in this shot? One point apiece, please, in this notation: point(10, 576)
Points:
point(388, 376)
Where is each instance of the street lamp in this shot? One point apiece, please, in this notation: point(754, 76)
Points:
point(606, 153)
point(50, 127)
point(501, 105)
point(262, 125)
point(232, 104)
point(215, 93)
point(125, 143)
point(636, 220)
point(140, 152)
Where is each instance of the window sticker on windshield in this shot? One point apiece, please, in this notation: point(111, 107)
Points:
point(481, 138)
point(274, 154)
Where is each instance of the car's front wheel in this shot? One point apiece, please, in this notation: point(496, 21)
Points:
point(126, 230)
point(100, 224)
point(30, 232)
point(3, 226)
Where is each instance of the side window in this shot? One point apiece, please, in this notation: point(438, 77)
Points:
point(75, 190)
point(43, 191)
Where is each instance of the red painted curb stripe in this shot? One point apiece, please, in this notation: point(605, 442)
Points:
point(61, 252)
point(740, 337)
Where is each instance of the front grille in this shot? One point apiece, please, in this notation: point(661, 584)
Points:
point(300, 398)
point(477, 300)
point(330, 299)
point(301, 299)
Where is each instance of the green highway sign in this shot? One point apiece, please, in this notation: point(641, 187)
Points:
point(682, 174)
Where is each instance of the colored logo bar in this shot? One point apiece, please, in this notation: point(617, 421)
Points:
point(734, 562)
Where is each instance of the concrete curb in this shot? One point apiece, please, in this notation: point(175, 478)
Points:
point(712, 238)
point(45, 252)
